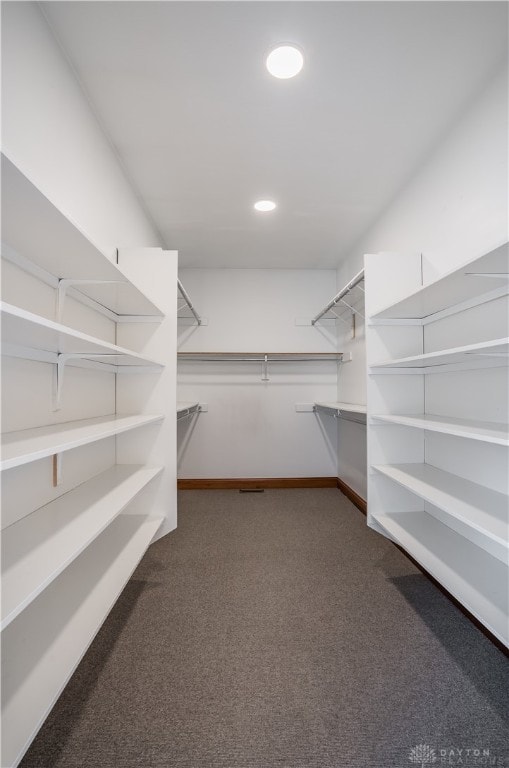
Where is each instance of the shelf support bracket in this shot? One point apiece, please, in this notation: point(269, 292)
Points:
point(65, 283)
point(338, 317)
point(61, 361)
point(57, 469)
point(265, 372)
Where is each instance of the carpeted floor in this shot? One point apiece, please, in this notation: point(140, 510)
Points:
point(275, 630)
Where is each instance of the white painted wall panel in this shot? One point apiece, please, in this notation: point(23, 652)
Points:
point(50, 132)
point(154, 271)
point(251, 428)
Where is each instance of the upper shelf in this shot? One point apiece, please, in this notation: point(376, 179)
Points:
point(494, 352)
point(24, 334)
point(349, 300)
point(185, 308)
point(473, 280)
point(36, 230)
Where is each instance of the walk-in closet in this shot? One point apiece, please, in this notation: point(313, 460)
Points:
point(255, 388)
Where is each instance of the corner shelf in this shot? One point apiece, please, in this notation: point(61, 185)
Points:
point(488, 432)
point(29, 445)
point(474, 511)
point(37, 548)
point(53, 248)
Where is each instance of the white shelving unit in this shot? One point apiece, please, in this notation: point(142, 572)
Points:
point(438, 432)
point(75, 530)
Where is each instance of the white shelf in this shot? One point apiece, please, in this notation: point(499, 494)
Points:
point(43, 646)
point(468, 283)
point(479, 581)
point(37, 548)
point(349, 300)
point(486, 431)
point(32, 444)
point(474, 511)
point(185, 406)
point(346, 407)
point(24, 332)
point(36, 230)
point(185, 409)
point(494, 352)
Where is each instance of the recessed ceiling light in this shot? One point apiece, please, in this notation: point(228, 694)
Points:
point(265, 205)
point(285, 61)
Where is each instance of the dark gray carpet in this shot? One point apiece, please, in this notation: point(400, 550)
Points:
point(275, 630)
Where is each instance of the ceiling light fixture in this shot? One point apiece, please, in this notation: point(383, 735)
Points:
point(265, 205)
point(285, 61)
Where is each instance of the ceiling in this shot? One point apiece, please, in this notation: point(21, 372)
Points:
point(203, 131)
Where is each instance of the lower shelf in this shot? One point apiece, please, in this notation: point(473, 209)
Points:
point(43, 646)
point(37, 548)
point(480, 582)
point(476, 512)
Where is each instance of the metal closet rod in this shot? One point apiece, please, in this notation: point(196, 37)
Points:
point(259, 356)
point(359, 277)
point(188, 301)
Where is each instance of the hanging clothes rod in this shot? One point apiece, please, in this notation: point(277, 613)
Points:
point(359, 277)
point(188, 301)
point(280, 357)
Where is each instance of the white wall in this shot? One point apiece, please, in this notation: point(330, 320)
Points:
point(51, 134)
point(251, 428)
point(454, 208)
